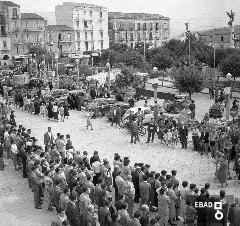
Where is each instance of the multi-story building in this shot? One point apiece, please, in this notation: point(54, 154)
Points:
point(11, 14)
point(132, 28)
point(220, 37)
point(60, 38)
point(32, 31)
point(5, 42)
point(23, 29)
point(89, 22)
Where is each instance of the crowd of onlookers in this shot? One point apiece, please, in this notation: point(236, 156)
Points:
point(83, 189)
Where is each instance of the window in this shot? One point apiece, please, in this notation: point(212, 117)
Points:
point(14, 12)
point(91, 35)
point(86, 46)
point(85, 23)
point(4, 44)
point(90, 14)
point(138, 36)
point(16, 37)
point(77, 23)
point(100, 14)
point(138, 26)
point(77, 13)
point(15, 24)
point(38, 38)
point(37, 25)
point(78, 35)
point(157, 26)
point(69, 37)
point(3, 30)
point(150, 36)
point(131, 37)
point(222, 39)
point(150, 26)
point(144, 26)
point(27, 36)
point(26, 25)
point(17, 49)
point(101, 34)
point(86, 35)
point(101, 45)
point(59, 37)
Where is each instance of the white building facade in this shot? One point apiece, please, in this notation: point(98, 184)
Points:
point(89, 22)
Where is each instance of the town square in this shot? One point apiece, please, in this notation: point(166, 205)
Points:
point(115, 118)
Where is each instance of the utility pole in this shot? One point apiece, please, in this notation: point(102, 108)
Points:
point(188, 34)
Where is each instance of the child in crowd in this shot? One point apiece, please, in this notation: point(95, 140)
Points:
point(89, 120)
point(61, 112)
point(169, 138)
point(175, 137)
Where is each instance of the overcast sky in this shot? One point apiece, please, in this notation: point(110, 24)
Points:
point(201, 14)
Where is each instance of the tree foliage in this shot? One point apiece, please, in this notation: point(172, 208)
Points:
point(128, 78)
point(231, 64)
point(189, 79)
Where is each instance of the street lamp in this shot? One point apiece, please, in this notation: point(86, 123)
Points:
point(77, 66)
point(109, 81)
point(227, 93)
point(56, 75)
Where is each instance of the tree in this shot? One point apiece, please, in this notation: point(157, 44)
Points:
point(127, 79)
point(161, 59)
point(231, 65)
point(189, 80)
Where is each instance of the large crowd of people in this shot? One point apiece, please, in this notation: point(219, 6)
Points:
point(83, 189)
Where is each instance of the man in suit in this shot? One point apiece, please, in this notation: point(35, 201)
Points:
point(205, 141)
point(145, 189)
point(104, 214)
point(135, 180)
point(72, 212)
point(36, 183)
point(183, 132)
point(48, 138)
point(152, 129)
point(136, 220)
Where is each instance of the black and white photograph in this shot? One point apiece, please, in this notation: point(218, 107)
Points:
point(120, 113)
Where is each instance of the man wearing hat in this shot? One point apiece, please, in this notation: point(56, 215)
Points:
point(152, 129)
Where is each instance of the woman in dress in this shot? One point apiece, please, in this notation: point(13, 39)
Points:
point(163, 205)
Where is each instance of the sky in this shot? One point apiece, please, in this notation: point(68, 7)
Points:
point(201, 14)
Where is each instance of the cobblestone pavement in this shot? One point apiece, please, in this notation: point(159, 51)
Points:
point(16, 199)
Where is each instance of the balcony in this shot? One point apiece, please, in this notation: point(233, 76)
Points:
point(5, 48)
point(15, 17)
point(88, 28)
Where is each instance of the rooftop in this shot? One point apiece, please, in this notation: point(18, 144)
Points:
point(31, 16)
point(58, 28)
point(9, 3)
point(220, 31)
point(144, 16)
point(82, 5)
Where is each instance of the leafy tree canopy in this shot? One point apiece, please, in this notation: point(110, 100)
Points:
point(189, 79)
